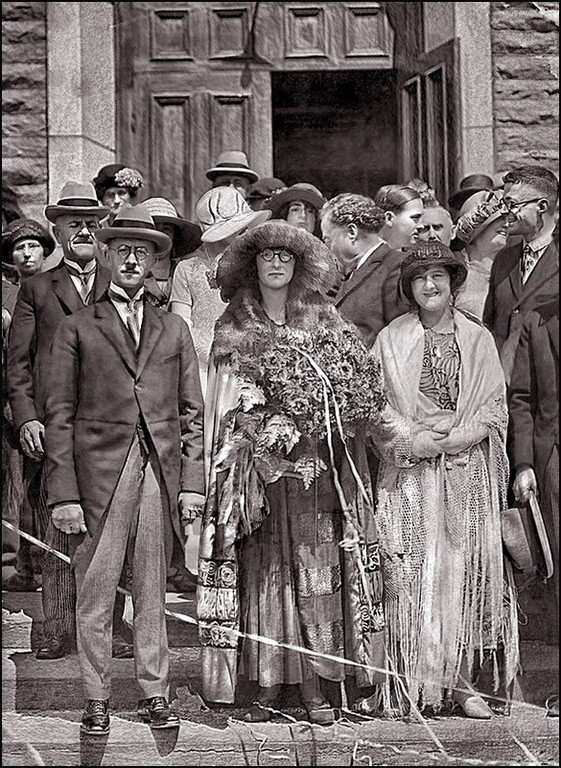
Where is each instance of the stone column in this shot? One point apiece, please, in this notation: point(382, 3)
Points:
point(81, 91)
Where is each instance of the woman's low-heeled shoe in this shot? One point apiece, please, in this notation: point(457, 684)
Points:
point(257, 713)
point(476, 708)
point(324, 714)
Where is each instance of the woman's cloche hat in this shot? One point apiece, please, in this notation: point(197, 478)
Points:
point(478, 211)
point(76, 198)
point(117, 175)
point(224, 212)
point(25, 229)
point(235, 162)
point(135, 221)
point(315, 262)
point(164, 212)
point(426, 255)
point(302, 191)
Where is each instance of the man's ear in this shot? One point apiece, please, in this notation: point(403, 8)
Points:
point(389, 216)
point(453, 232)
point(352, 232)
point(543, 205)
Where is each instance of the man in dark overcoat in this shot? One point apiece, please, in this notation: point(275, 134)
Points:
point(534, 428)
point(124, 458)
point(43, 301)
point(524, 275)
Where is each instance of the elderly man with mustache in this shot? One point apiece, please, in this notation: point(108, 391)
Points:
point(43, 301)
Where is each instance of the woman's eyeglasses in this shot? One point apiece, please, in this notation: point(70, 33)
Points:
point(269, 254)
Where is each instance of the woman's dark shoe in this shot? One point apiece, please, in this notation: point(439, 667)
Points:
point(156, 712)
point(95, 720)
point(322, 714)
point(52, 648)
point(257, 713)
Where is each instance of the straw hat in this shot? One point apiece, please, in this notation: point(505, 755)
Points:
point(223, 212)
point(478, 211)
point(234, 162)
point(79, 198)
point(135, 221)
point(188, 234)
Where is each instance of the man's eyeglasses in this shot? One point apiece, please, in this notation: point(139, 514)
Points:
point(512, 206)
point(124, 251)
point(269, 254)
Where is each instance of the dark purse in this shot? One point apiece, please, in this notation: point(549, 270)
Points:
point(525, 538)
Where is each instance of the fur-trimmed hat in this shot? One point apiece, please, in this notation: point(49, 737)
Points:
point(25, 229)
point(314, 270)
point(136, 222)
point(117, 175)
point(426, 255)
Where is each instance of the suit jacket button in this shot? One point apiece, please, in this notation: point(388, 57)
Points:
point(138, 387)
point(515, 311)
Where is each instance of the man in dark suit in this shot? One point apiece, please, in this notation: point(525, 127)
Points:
point(524, 275)
point(124, 452)
point(534, 427)
point(368, 293)
point(43, 301)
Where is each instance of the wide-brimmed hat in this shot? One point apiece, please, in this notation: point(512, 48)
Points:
point(426, 255)
point(188, 237)
point(316, 266)
point(135, 221)
point(234, 162)
point(303, 192)
point(224, 212)
point(76, 197)
point(469, 185)
point(25, 229)
point(117, 175)
point(477, 212)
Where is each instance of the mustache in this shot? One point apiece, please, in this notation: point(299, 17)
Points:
point(82, 239)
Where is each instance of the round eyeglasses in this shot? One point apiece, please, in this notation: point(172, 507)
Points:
point(124, 251)
point(513, 206)
point(268, 254)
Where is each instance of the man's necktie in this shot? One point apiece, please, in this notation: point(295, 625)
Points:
point(133, 326)
point(529, 260)
point(84, 276)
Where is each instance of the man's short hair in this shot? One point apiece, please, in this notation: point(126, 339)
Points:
point(539, 178)
point(348, 208)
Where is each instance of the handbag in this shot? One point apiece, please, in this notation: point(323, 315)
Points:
point(525, 538)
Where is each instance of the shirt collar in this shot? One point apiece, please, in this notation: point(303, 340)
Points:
point(121, 292)
point(86, 268)
point(540, 242)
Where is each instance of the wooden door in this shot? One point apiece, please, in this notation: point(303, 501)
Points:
point(194, 79)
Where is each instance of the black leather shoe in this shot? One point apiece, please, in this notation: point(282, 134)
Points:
point(95, 720)
point(157, 713)
point(52, 648)
point(122, 650)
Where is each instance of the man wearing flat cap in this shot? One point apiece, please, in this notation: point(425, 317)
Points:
point(124, 459)
point(43, 301)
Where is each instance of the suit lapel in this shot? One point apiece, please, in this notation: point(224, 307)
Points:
point(112, 328)
point(152, 327)
point(101, 282)
point(515, 276)
point(64, 290)
point(544, 270)
point(362, 274)
point(553, 330)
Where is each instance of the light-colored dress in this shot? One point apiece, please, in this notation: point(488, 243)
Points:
point(193, 284)
point(447, 593)
point(473, 293)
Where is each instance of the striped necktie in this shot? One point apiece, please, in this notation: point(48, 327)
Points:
point(133, 326)
point(84, 276)
point(529, 260)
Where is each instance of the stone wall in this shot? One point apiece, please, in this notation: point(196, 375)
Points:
point(24, 104)
point(525, 46)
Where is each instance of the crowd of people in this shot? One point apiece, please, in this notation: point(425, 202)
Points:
point(341, 396)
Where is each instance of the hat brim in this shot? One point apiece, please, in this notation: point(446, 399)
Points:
point(458, 242)
point(52, 212)
point(190, 232)
point(161, 241)
point(279, 199)
point(458, 198)
point(224, 229)
point(235, 171)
